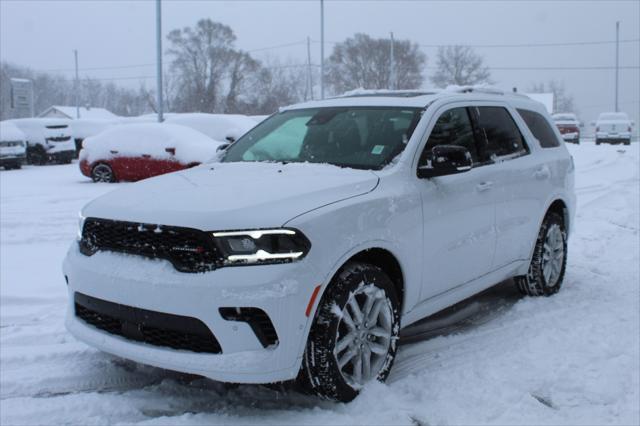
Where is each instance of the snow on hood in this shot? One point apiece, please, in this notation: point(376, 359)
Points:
point(223, 196)
point(10, 133)
point(152, 139)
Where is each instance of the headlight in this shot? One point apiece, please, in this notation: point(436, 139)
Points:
point(261, 246)
point(81, 220)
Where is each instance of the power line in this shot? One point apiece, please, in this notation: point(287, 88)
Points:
point(516, 45)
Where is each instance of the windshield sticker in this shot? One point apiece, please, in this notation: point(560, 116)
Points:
point(377, 150)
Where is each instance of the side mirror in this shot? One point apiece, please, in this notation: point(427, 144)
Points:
point(446, 160)
point(231, 139)
point(223, 147)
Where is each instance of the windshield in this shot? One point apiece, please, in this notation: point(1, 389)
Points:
point(357, 137)
point(613, 116)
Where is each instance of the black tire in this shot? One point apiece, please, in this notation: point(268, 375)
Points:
point(597, 142)
point(535, 283)
point(102, 172)
point(320, 373)
point(37, 155)
point(627, 142)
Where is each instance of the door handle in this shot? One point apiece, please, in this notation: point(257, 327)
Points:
point(542, 173)
point(484, 186)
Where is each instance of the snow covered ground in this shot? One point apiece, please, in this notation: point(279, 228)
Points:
point(573, 358)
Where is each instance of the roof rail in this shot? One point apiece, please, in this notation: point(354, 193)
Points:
point(482, 89)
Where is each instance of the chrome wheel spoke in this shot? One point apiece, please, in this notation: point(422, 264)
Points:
point(378, 348)
point(355, 308)
point(346, 317)
point(357, 368)
point(344, 342)
point(375, 312)
point(379, 332)
point(366, 363)
point(348, 356)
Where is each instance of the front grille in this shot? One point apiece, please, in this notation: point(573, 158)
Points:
point(154, 328)
point(189, 250)
point(59, 139)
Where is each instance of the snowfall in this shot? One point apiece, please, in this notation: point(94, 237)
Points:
point(498, 358)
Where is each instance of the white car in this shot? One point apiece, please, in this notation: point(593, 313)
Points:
point(321, 233)
point(48, 139)
point(613, 128)
point(13, 146)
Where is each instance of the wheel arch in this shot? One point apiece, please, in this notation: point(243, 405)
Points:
point(384, 259)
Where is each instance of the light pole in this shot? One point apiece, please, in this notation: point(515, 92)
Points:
point(392, 64)
point(159, 58)
point(77, 85)
point(617, 58)
point(321, 49)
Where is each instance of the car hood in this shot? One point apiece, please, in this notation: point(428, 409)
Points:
point(223, 196)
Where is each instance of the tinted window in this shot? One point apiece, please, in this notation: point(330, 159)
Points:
point(452, 128)
point(500, 131)
point(540, 128)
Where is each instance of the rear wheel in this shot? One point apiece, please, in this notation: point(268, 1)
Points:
point(354, 334)
point(627, 142)
point(546, 271)
point(37, 155)
point(102, 172)
point(597, 142)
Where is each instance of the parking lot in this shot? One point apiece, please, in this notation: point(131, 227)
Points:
point(572, 358)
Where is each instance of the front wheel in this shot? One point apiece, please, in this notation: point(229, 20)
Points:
point(549, 261)
point(103, 173)
point(354, 334)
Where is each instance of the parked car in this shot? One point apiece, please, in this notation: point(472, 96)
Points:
point(48, 140)
point(613, 128)
point(321, 233)
point(133, 152)
point(220, 127)
point(84, 128)
point(13, 146)
point(569, 127)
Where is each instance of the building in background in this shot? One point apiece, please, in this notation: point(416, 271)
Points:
point(57, 111)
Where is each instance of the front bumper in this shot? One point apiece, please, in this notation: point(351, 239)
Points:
point(61, 156)
point(282, 291)
point(604, 137)
point(12, 159)
point(571, 136)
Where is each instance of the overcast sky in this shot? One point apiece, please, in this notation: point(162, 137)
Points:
point(43, 34)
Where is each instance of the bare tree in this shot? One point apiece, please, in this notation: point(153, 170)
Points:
point(365, 62)
point(460, 65)
point(562, 101)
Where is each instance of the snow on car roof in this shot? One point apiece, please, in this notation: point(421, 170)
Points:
point(9, 132)
point(408, 98)
point(151, 139)
point(216, 126)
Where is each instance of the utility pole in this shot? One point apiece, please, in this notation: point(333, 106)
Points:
point(617, 58)
point(76, 83)
point(309, 77)
point(392, 65)
point(321, 49)
point(159, 59)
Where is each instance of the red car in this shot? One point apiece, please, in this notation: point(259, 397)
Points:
point(132, 152)
point(569, 127)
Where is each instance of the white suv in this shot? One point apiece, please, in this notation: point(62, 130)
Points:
point(322, 232)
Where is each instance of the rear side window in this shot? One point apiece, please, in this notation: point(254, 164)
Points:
point(540, 128)
point(500, 132)
point(452, 128)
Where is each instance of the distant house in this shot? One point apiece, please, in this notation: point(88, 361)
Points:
point(57, 111)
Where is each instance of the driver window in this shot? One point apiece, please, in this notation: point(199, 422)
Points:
point(452, 128)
